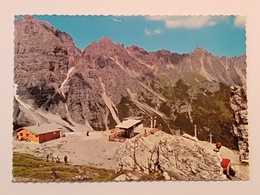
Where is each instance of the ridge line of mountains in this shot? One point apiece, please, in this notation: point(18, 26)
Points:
point(97, 87)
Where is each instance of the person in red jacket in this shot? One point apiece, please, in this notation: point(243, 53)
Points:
point(225, 163)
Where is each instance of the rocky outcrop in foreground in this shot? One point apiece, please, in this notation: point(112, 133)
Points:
point(173, 157)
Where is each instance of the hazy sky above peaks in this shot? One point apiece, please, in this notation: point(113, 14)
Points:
point(220, 35)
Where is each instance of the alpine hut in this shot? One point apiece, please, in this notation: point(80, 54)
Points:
point(39, 133)
point(129, 125)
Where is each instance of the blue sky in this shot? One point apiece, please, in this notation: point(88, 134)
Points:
point(220, 35)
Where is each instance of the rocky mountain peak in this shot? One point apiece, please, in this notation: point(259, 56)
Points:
point(163, 52)
point(104, 46)
point(32, 25)
point(199, 51)
point(105, 40)
point(28, 17)
point(42, 32)
point(135, 48)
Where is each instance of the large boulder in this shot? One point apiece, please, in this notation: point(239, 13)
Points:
point(174, 157)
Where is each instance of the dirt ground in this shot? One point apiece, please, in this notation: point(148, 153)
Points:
point(93, 150)
point(96, 150)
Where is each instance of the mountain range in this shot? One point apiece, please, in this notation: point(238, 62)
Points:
point(99, 86)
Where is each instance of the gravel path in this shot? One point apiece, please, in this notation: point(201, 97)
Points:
point(93, 150)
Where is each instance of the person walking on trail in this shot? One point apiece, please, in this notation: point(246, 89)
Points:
point(225, 163)
point(65, 159)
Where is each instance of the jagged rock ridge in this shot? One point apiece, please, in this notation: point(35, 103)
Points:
point(97, 87)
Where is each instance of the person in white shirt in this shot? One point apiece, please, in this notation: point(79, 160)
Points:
point(225, 162)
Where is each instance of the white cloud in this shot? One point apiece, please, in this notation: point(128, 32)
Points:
point(117, 20)
point(240, 21)
point(152, 32)
point(191, 22)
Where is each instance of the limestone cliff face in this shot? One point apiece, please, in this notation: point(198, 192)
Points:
point(240, 125)
point(99, 86)
point(43, 56)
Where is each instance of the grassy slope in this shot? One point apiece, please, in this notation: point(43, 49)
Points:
point(27, 167)
point(210, 110)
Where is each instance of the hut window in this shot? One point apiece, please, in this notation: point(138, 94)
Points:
point(27, 134)
point(21, 134)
